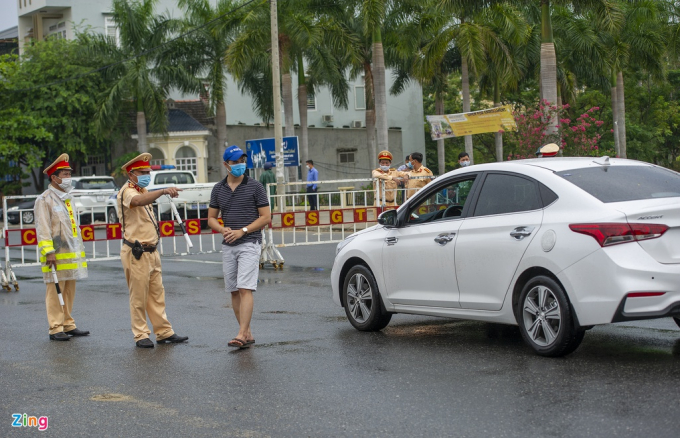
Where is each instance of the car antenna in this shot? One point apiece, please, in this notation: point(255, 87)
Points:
point(604, 162)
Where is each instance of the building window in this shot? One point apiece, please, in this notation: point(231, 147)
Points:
point(112, 30)
point(311, 103)
point(360, 97)
point(185, 159)
point(157, 157)
point(346, 157)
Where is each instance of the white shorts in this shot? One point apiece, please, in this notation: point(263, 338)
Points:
point(240, 265)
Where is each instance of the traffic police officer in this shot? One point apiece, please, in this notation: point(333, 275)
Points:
point(141, 261)
point(417, 175)
point(390, 178)
point(61, 246)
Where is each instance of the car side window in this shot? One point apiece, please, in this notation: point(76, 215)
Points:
point(502, 193)
point(445, 203)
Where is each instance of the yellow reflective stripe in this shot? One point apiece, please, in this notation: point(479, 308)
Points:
point(82, 254)
point(62, 267)
point(84, 264)
point(46, 250)
point(44, 243)
point(74, 226)
point(62, 256)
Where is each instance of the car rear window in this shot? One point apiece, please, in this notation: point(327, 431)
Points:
point(95, 184)
point(625, 183)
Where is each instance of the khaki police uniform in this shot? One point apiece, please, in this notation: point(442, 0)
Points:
point(58, 233)
point(143, 276)
point(414, 183)
point(390, 183)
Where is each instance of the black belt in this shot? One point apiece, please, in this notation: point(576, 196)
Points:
point(146, 248)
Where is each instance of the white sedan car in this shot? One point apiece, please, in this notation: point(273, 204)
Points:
point(554, 245)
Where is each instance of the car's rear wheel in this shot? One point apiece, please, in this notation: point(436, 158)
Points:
point(111, 216)
point(362, 300)
point(677, 321)
point(27, 217)
point(545, 319)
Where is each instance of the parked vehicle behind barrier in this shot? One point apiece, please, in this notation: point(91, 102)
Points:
point(193, 198)
point(92, 206)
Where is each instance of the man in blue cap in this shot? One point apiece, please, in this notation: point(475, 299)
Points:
point(242, 204)
point(268, 177)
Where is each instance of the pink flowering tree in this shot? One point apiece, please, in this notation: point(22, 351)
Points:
point(577, 138)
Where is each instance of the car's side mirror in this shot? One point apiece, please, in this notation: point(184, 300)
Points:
point(388, 218)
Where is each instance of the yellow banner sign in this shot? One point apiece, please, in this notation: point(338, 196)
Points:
point(476, 122)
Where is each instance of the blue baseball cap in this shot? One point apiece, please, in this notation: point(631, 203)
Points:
point(233, 153)
point(268, 166)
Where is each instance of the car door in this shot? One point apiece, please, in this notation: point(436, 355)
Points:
point(418, 257)
point(494, 237)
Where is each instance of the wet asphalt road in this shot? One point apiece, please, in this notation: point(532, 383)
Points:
point(311, 374)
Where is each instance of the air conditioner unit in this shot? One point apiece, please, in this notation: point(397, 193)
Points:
point(356, 124)
point(327, 118)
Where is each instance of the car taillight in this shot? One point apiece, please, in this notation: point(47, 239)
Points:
point(608, 234)
point(645, 294)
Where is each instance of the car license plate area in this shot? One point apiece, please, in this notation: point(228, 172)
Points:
point(195, 206)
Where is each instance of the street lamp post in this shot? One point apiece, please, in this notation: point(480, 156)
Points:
point(276, 84)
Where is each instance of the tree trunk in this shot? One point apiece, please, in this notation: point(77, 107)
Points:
point(141, 133)
point(370, 116)
point(302, 107)
point(221, 126)
point(441, 151)
point(498, 137)
point(615, 117)
point(548, 65)
point(465, 76)
point(287, 96)
point(380, 90)
point(621, 106)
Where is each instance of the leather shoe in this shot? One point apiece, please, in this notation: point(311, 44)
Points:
point(76, 332)
point(144, 343)
point(174, 339)
point(60, 336)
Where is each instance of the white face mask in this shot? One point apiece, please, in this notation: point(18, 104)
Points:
point(309, 167)
point(384, 168)
point(465, 163)
point(66, 184)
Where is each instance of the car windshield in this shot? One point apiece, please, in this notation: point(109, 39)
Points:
point(95, 184)
point(174, 178)
point(625, 183)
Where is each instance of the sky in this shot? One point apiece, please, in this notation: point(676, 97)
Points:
point(8, 14)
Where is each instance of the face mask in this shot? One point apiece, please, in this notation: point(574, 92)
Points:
point(309, 167)
point(66, 184)
point(143, 180)
point(410, 166)
point(384, 168)
point(238, 169)
point(465, 163)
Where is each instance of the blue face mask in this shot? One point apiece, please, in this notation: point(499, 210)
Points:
point(143, 180)
point(410, 166)
point(238, 169)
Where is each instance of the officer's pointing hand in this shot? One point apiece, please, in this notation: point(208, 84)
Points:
point(171, 191)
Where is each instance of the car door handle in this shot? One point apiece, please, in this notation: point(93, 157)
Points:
point(391, 240)
point(520, 233)
point(444, 238)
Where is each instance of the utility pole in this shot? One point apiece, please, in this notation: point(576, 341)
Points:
point(276, 83)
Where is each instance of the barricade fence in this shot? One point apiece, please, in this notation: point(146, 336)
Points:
point(340, 212)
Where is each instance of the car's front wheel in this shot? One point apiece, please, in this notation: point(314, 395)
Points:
point(545, 318)
point(362, 301)
point(112, 216)
point(27, 217)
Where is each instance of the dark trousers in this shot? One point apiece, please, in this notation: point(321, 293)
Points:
point(312, 198)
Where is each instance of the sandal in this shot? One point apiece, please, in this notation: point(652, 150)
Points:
point(237, 343)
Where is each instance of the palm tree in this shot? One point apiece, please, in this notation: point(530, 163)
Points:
point(204, 53)
point(134, 76)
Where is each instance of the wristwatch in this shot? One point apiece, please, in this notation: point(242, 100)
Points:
point(245, 230)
